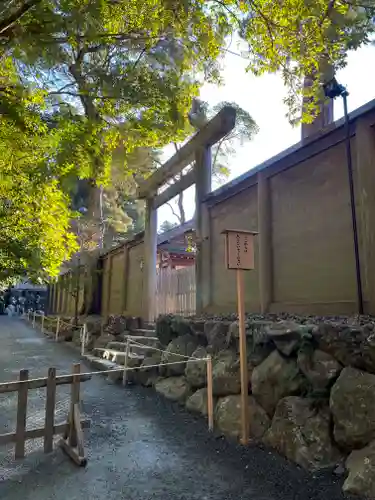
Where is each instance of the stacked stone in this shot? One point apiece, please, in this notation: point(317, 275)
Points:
point(311, 385)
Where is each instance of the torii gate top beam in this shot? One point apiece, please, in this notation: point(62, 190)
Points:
point(217, 128)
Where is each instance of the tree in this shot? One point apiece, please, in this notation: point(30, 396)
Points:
point(112, 74)
point(102, 73)
point(302, 39)
point(124, 70)
point(222, 152)
point(34, 212)
point(167, 226)
point(298, 37)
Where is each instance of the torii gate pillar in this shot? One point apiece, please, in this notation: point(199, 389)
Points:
point(197, 151)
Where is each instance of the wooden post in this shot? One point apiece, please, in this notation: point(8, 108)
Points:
point(21, 415)
point(83, 341)
point(243, 358)
point(50, 410)
point(73, 436)
point(149, 270)
point(57, 328)
point(125, 373)
point(74, 399)
point(210, 398)
point(42, 323)
point(239, 255)
point(34, 315)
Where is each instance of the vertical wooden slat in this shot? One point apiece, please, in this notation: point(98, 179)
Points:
point(78, 427)
point(21, 415)
point(57, 328)
point(83, 341)
point(210, 399)
point(176, 291)
point(42, 323)
point(125, 373)
point(243, 358)
point(74, 399)
point(50, 410)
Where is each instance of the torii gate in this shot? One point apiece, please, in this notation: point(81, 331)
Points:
point(198, 150)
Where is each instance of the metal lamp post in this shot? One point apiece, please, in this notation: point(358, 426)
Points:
point(333, 89)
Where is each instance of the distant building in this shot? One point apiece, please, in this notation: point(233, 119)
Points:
point(175, 247)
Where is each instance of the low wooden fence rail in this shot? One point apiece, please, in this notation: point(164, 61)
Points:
point(72, 440)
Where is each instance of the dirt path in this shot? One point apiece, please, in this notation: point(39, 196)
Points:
point(139, 445)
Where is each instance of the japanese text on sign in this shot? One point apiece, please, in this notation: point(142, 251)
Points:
point(240, 250)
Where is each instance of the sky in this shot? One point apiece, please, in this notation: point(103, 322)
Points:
point(263, 97)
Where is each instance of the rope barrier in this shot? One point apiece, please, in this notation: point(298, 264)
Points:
point(121, 370)
point(137, 344)
point(125, 369)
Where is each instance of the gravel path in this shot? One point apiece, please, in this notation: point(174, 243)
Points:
point(139, 445)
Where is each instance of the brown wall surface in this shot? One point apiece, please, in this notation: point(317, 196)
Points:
point(117, 284)
point(135, 280)
point(106, 279)
point(239, 212)
point(313, 258)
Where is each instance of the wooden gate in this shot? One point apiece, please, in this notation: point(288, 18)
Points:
point(175, 291)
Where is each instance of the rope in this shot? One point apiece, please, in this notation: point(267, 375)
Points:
point(100, 372)
point(130, 337)
point(121, 370)
point(67, 324)
point(52, 320)
point(167, 352)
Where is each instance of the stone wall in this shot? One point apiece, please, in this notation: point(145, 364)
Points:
point(311, 385)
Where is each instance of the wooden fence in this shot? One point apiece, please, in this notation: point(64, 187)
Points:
point(175, 291)
point(72, 440)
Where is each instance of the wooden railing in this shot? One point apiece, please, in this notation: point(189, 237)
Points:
point(72, 440)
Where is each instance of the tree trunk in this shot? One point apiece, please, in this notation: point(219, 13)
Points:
point(93, 201)
point(325, 116)
point(181, 208)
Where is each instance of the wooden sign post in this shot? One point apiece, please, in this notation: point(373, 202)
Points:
point(239, 255)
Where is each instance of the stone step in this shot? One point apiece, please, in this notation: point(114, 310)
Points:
point(146, 347)
point(144, 332)
point(119, 346)
point(149, 326)
point(119, 356)
point(103, 365)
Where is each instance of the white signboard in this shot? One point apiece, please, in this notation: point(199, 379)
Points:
point(239, 249)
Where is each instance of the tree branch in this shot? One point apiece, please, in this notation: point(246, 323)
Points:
point(173, 212)
point(139, 58)
point(120, 37)
point(16, 16)
point(60, 91)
